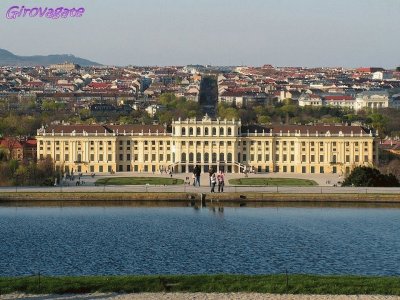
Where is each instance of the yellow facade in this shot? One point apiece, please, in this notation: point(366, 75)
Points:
point(220, 144)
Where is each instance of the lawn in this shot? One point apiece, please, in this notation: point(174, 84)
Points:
point(273, 181)
point(277, 284)
point(138, 181)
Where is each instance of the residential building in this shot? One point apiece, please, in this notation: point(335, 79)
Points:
point(372, 100)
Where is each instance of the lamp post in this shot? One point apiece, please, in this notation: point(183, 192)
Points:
point(60, 180)
point(16, 182)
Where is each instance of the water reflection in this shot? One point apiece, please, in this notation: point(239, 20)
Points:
point(128, 239)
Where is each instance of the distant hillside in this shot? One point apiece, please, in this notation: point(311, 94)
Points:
point(9, 59)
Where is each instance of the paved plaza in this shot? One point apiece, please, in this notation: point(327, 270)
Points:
point(325, 182)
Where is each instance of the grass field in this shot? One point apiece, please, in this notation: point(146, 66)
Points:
point(139, 181)
point(277, 284)
point(273, 181)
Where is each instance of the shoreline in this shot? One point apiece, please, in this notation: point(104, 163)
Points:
point(190, 198)
point(178, 199)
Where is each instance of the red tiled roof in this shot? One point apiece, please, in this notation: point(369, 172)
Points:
point(99, 85)
point(35, 83)
point(10, 143)
point(303, 129)
point(136, 128)
point(31, 143)
point(339, 98)
point(79, 129)
point(322, 129)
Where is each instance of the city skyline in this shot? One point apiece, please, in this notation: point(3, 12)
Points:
point(309, 33)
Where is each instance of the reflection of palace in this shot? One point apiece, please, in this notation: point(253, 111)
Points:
point(220, 144)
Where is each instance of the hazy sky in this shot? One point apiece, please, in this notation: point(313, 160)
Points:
point(349, 33)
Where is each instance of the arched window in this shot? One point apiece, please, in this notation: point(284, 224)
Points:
point(206, 157)
point(229, 131)
point(221, 157)
point(214, 157)
point(214, 131)
point(183, 157)
point(221, 131)
point(191, 131)
point(79, 157)
point(198, 157)
point(334, 158)
point(191, 155)
point(198, 131)
point(206, 131)
point(229, 157)
point(183, 131)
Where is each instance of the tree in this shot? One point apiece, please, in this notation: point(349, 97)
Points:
point(263, 119)
point(391, 167)
point(84, 114)
point(367, 176)
point(378, 122)
point(398, 69)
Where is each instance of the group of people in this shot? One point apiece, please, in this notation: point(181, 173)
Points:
point(214, 179)
point(217, 178)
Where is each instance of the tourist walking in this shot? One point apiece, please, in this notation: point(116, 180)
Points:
point(213, 180)
point(221, 181)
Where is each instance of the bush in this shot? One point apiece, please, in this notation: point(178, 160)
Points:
point(367, 176)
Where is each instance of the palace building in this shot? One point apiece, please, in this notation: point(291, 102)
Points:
point(220, 144)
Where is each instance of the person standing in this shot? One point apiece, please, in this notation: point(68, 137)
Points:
point(210, 173)
point(221, 181)
point(197, 172)
point(213, 180)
